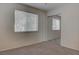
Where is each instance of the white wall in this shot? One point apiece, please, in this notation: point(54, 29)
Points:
point(8, 38)
point(69, 25)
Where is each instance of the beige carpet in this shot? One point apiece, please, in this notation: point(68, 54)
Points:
point(51, 47)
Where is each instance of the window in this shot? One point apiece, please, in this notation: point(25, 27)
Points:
point(55, 23)
point(25, 21)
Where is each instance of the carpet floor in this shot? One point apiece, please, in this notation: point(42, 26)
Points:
point(51, 47)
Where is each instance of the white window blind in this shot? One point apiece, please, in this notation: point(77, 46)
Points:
point(55, 24)
point(25, 21)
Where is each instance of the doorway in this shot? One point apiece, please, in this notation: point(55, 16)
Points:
point(54, 28)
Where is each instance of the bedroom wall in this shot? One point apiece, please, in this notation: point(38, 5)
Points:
point(8, 38)
point(69, 25)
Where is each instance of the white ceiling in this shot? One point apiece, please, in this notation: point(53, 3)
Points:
point(46, 6)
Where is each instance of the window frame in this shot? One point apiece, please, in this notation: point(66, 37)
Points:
point(16, 30)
